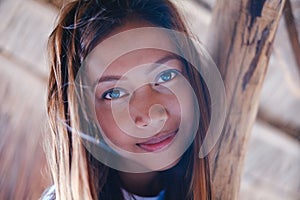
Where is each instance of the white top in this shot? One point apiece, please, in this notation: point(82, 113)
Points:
point(129, 196)
point(49, 194)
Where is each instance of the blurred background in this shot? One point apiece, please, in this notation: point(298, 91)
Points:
point(272, 165)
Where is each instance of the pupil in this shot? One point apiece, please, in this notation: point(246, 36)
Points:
point(166, 76)
point(115, 94)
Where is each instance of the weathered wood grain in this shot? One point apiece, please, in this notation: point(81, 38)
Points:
point(292, 31)
point(22, 122)
point(24, 29)
point(280, 97)
point(272, 166)
point(242, 34)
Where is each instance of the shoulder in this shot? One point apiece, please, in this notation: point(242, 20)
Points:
point(49, 194)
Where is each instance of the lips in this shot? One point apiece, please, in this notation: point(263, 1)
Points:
point(158, 142)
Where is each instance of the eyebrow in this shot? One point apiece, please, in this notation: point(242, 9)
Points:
point(109, 78)
point(165, 59)
point(117, 77)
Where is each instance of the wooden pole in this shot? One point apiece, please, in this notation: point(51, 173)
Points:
point(292, 31)
point(241, 38)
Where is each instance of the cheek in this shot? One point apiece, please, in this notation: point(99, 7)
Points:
point(106, 121)
point(111, 131)
point(102, 112)
point(182, 102)
point(173, 107)
point(189, 112)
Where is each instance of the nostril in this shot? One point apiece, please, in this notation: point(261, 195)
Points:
point(156, 114)
point(142, 121)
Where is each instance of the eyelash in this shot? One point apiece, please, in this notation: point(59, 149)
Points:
point(109, 92)
point(173, 72)
point(123, 92)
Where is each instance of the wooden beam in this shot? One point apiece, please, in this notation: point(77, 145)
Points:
point(23, 65)
point(292, 31)
point(22, 123)
point(241, 38)
point(286, 127)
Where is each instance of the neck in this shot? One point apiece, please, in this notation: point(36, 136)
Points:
point(142, 184)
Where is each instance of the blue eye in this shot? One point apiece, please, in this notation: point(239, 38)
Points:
point(166, 76)
point(114, 93)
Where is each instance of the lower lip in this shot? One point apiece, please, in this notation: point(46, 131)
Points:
point(157, 146)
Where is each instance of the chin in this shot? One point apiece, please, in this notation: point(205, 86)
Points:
point(170, 165)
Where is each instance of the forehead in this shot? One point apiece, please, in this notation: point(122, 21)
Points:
point(145, 58)
point(132, 44)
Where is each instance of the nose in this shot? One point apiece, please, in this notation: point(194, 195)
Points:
point(147, 106)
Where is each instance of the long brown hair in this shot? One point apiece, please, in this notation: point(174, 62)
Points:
point(76, 173)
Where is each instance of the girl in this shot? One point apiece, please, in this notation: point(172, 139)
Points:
point(138, 99)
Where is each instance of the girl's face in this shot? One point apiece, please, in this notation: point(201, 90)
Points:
point(137, 97)
point(136, 86)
